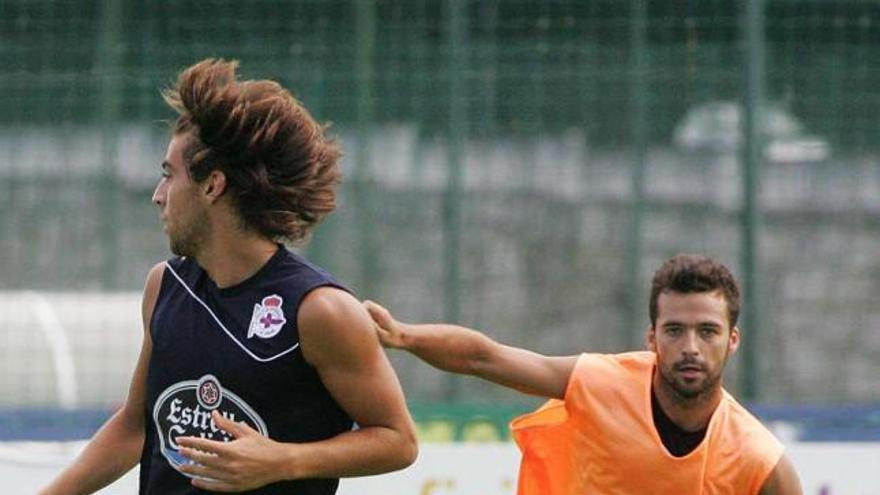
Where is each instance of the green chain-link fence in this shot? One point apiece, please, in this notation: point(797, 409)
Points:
point(517, 166)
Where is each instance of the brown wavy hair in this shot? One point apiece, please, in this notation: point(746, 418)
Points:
point(281, 168)
point(689, 273)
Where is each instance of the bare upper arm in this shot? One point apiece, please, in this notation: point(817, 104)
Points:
point(783, 480)
point(151, 293)
point(337, 338)
point(134, 403)
point(459, 349)
point(526, 371)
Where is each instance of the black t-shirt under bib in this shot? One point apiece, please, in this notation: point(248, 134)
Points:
point(676, 440)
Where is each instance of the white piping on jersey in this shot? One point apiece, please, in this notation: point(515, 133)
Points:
point(222, 326)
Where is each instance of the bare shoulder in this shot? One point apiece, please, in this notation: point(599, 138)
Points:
point(333, 325)
point(783, 480)
point(328, 307)
point(154, 277)
point(151, 291)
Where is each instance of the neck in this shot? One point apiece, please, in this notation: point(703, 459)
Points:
point(231, 257)
point(689, 414)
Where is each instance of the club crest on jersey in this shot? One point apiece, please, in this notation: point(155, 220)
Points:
point(268, 318)
point(184, 410)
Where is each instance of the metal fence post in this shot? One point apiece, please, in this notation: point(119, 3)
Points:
point(110, 50)
point(751, 150)
point(637, 74)
point(456, 131)
point(364, 197)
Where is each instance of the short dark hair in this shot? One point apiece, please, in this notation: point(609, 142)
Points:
point(281, 169)
point(688, 273)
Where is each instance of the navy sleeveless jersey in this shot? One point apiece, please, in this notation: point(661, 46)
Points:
point(235, 350)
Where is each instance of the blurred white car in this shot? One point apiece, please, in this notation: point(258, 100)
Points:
point(715, 126)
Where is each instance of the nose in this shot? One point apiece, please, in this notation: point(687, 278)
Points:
point(690, 344)
point(159, 193)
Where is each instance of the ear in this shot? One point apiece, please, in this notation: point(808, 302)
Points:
point(214, 186)
point(651, 339)
point(733, 341)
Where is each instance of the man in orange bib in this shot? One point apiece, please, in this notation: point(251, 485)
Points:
point(652, 422)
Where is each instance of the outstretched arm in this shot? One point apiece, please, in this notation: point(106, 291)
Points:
point(462, 350)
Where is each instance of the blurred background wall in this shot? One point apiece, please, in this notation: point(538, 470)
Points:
point(520, 167)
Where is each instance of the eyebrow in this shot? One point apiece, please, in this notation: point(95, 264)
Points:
point(675, 323)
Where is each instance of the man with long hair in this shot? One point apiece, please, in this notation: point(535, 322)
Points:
point(255, 364)
point(652, 422)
